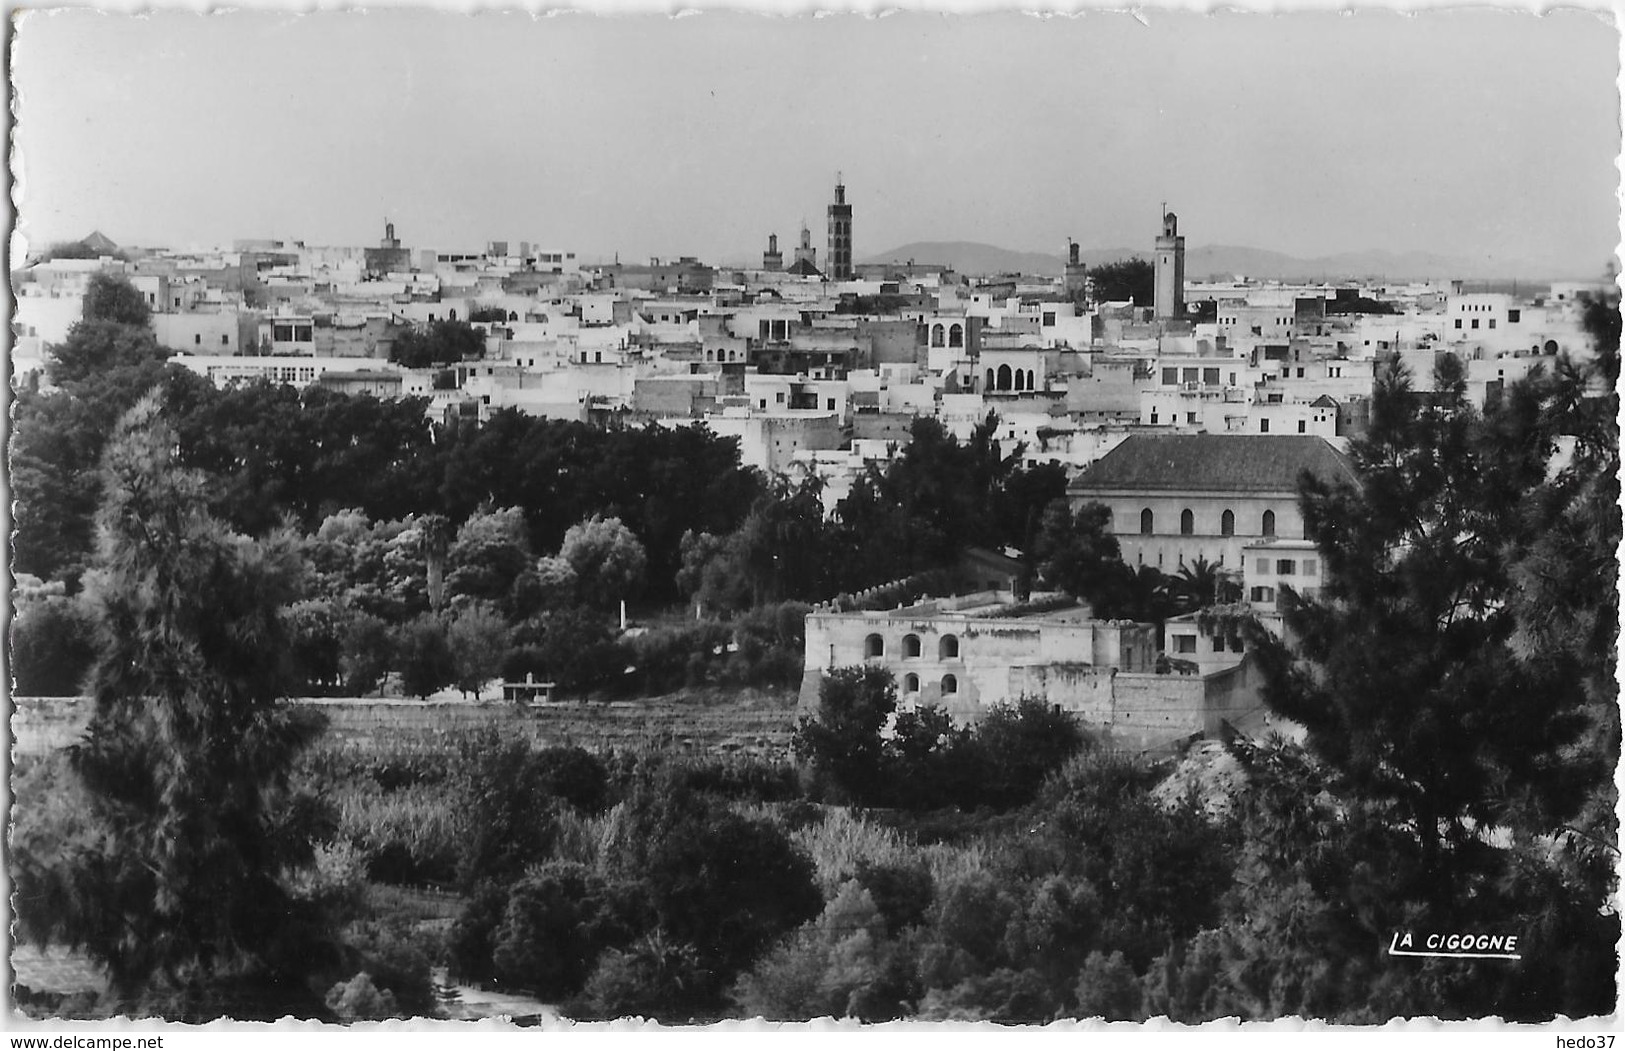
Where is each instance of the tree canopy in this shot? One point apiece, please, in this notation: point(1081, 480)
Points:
point(176, 883)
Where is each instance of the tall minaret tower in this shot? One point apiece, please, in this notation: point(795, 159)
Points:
point(772, 259)
point(840, 234)
point(1170, 268)
point(805, 252)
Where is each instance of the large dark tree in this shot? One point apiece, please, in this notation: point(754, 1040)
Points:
point(176, 884)
point(438, 343)
point(1412, 688)
point(108, 359)
point(1123, 281)
point(1455, 676)
point(110, 298)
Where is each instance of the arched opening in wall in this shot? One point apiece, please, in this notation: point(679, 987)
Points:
point(989, 384)
point(1004, 377)
point(911, 646)
point(1551, 346)
point(1021, 380)
point(1227, 523)
point(956, 335)
point(451, 315)
point(1148, 522)
point(1269, 523)
point(936, 335)
point(950, 685)
point(948, 648)
point(513, 315)
point(1187, 522)
point(1030, 384)
point(874, 646)
point(911, 684)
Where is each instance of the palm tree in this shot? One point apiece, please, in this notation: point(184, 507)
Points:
point(1197, 584)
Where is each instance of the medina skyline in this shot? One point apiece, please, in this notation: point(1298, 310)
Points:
point(1486, 135)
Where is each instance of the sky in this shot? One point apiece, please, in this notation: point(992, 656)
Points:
point(1475, 133)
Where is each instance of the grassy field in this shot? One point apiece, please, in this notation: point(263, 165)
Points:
point(742, 721)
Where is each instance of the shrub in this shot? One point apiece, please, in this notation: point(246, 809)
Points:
point(902, 893)
point(470, 944)
point(411, 835)
point(396, 965)
point(52, 647)
point(424, 656)
point(1019, 745)
point(654, 978)
point(557, 922)
point(506, 808)
point(1109, 989)
point(359, 1000)
point(366, 653)
point(573, 774)
point(839, 965)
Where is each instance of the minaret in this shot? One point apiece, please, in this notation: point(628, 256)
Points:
point(805, 252)
point(389, 236)
point(772, 259)
point(1170, 269)
point(1077, 275)
point(840, 234)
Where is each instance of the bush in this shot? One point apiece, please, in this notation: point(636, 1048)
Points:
point(359, 1000)
point(365, 654)
point(559, 919)
point(424, 656)
point(655, 978)
point(409, 836)
point(507, 808)
point(472, 940)
point(1109, 989)
point(573, 774)
point(53, 645)
point(1018, 746)
point(902, 893)
point(396, 965)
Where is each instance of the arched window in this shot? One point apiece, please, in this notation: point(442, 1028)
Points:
point(1004, 377)
point(911, 684)
point(874, 646)
point(1187, 522)
point(1148, 522)
point(950, 684)
point(1227, 523)
point(911, 645)
point(513, 315)
point(989, 384)
point(1030, 385)
point(948, 648)
point(936, 335)
point(451, 315)
point(1021, 379)
point(1269, 523)
point(956, 335)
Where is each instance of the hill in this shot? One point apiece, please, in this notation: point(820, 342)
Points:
point(1221, 262)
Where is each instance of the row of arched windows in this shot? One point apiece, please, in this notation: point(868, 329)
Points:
point(913, 648)
point(1009, 379)
point(1187, 523)
point(911, 684)
point(955, 334)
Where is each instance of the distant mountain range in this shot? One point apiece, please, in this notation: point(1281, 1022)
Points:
point(1221, 262)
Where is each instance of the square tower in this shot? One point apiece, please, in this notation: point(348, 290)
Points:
point(840, 235)
point(1170, 271)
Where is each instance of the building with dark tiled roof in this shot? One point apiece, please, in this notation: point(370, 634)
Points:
point(1178, 497)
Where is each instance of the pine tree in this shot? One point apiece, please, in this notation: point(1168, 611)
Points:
point(177, 886)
